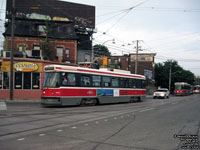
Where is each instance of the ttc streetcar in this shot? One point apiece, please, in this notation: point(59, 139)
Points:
point(69, 85)
point(182, 88)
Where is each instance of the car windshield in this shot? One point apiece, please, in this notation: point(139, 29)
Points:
point(161, 90)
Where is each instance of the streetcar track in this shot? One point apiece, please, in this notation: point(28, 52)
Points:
point(54, 125)
point(71, 112)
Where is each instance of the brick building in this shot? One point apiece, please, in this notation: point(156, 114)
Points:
point(70, 27)
point(30, 36)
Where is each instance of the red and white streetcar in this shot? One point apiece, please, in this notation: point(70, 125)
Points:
point(69, 85)
point(182, 88)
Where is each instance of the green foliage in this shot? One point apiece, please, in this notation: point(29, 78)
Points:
point(46, 45)
point(101, 50)
point(46, 49)
point(178, 74)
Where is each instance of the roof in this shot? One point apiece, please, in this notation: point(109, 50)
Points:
point(82, 15)
point(91, 71)
point(181, 83)
point(29, 28)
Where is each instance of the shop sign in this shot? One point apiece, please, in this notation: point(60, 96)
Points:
point(26, 66)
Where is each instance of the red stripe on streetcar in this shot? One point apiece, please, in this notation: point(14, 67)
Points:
point(86, 92)
point(132, 92)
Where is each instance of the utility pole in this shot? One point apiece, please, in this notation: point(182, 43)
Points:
point(12, 49)
point(92, 56)
point(136, 59)
point(170, 72)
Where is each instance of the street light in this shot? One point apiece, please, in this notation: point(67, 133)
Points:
point(108, 41)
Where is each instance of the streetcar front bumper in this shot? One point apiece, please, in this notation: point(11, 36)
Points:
point(51, 101)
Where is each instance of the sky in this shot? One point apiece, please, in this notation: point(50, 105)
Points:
point(169, 28)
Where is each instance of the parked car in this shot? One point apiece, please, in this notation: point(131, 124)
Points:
point(161, 93)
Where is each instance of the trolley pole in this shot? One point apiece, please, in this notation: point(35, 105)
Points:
point(12, 49)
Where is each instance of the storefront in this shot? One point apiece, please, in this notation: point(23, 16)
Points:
point(28, 78)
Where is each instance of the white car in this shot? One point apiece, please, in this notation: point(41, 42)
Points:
point(161, 93)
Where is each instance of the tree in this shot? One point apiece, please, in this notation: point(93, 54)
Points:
point(47, 52)
point(101, 50)
point(178, 74)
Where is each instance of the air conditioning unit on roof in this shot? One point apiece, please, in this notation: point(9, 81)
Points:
point(6, 54)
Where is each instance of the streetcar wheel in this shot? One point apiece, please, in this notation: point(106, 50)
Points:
point(83, 101)
point(139, 99)
point(94, 101)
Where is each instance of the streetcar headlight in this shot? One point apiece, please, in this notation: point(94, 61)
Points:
point(44, 92)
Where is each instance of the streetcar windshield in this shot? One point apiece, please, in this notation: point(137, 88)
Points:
point(178, 87)
point(51, 79)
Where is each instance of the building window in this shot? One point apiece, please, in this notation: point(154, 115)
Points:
point(6, 80)
point(22, 48)
point(22, 80)
point(67, 53)
point(59, 51)
point(27, 80)
point(35, 80)
point(1, 80)
point(18, 80)
point(41, 29)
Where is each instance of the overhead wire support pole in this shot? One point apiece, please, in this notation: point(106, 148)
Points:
point(12, 49)
point(170, 72)
point(136, 59)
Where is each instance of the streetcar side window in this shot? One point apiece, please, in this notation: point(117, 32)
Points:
point(115, 82)
point(106, 82)
point(132, 83)
point(68, 79)
point(124, 83)
point(96, 81)
point(138, 83)
point(85, 80)
point(143, 84)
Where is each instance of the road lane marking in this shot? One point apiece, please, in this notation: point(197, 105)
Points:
point(86, 124)
point(96, 122)
point(174, 103)
point(41, 134)
point(115, 118)
point(74, 127)
point(21, 139)
point(147, 109)
point(59, 130)
point(105, 120)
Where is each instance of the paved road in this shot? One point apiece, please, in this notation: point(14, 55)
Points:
point(151, 125)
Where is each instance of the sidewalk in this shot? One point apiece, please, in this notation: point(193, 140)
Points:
point(20, 100)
